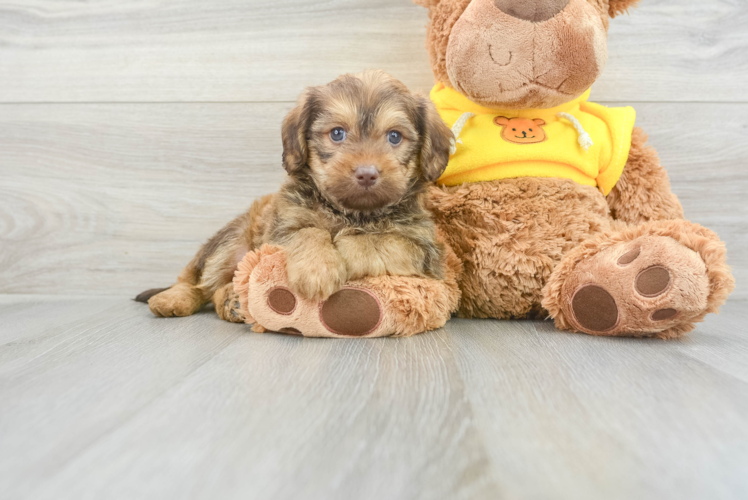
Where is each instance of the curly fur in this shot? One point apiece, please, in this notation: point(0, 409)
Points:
point(643, 191)
point(511, 234)
point(442, 18)
point(334, 227)
point(410, 305)
point(519, 240)
point(693, 236)
point(617, 7)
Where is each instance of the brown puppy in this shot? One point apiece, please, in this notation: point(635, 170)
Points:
point(359, 153)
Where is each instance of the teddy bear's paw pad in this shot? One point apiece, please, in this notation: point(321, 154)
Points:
point(282, 301)
point(351, 312)
point(595, 309)
point(664, 314)
point(653, 281)
point(639, 287)
point(629, 257)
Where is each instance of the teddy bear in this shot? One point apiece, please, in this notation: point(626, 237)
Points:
point(555, 205)
point(551, 206)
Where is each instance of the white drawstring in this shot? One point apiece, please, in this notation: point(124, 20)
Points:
point(584, 138)
point(585, 141)
point(457, 130)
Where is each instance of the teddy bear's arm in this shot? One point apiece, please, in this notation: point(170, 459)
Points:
point(643, 191)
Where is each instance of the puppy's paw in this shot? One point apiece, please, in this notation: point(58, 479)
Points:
point(179, 300)
point(226, 302)
point(317, 276)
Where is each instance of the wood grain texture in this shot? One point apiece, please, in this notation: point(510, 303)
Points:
point(102, 401)
point(116, 198)
point(262, 50)
point(568, 417)
point(199, 408)
point(131, 131)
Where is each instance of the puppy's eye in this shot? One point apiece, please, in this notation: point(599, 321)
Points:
point(337, 135)
point(395, 137)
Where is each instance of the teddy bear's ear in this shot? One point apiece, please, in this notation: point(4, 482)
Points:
point(620, 6)
point(501, 121)
point(429, 4)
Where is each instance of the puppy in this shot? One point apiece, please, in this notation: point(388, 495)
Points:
point(359, 153)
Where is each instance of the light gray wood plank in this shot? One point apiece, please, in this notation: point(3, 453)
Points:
point(111, 403)
point(73, 371)
point(134, 407)
point(570, 416)
point(260, 50)
point(87, 188)
point(114, 199)
point(721, 342)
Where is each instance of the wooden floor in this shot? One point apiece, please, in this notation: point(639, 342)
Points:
point(130, 132)
point(102, 401)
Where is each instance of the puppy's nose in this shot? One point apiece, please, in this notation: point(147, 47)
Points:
point(535, 11)
point(367, 175)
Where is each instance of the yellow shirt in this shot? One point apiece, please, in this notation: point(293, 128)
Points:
point(503, 144)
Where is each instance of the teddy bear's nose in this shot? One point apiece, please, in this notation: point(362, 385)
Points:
point(535, 11)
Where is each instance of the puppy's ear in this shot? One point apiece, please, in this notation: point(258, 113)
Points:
point(436, 141)
point(294, 133)
point(620, 6)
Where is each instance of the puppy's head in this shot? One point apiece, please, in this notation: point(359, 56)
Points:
point(365, 140)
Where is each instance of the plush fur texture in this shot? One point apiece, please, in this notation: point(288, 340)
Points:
point(694, 255)
point(481, 48)
point(643, 191)
point(494, 57)
point(511, 234)
point(359, 153)
point(623, 265)
point(541, 246)
point(406, 305)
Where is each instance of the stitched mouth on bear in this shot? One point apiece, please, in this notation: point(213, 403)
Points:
point(493, 57)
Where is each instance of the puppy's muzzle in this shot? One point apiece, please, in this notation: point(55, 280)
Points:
point(366, 176)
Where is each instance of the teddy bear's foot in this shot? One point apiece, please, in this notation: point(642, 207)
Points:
point(658, 279)
point(368, 308)
point(350, 312)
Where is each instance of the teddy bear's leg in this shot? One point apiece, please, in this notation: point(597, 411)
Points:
point(643, 193)
point(657, 279)
point(371, 307)
point(510, 235)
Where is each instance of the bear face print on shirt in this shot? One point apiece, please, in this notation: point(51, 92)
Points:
point(521, 130)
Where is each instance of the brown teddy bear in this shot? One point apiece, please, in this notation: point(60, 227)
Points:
point(554, 204)
point(551, 205)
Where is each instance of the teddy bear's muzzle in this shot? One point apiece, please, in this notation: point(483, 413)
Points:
point(517, 44)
